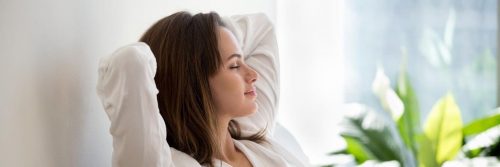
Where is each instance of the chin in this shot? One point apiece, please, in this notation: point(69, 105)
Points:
point(253, 109)
point(250, 110)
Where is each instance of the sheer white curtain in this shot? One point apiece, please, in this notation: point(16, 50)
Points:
point(312, 75)
point(49, 112)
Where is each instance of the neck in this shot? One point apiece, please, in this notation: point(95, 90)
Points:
point(227, 148)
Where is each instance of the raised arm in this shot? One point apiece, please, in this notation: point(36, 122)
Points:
point(256, 36)
point(128, 92)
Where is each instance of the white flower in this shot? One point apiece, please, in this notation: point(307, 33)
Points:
point(391, 102)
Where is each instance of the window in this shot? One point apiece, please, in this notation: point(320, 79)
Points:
point(330, 50)
point(451, 46)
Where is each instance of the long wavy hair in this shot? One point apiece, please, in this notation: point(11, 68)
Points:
point(187, 55)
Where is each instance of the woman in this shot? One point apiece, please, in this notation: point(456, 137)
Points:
point(215, 107)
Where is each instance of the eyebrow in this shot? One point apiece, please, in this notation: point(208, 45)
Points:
point(233, 56)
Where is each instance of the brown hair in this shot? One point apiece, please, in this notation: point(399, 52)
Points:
point(187, 54)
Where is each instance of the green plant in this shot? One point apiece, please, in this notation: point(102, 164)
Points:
point(369, 136)
point(443, 137)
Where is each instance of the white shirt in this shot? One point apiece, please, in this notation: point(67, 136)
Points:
point(261, 155)
point(128, 92)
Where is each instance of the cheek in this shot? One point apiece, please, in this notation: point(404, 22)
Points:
point(228, 92)
point(226, 87)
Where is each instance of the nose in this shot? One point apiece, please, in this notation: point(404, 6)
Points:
point(252, 75)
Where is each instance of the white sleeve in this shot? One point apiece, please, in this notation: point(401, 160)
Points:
point(257, 37)
point(128, 92)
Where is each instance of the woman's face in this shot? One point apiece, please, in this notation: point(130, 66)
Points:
point(233, 85)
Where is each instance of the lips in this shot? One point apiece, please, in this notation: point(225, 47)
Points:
point(250, 92)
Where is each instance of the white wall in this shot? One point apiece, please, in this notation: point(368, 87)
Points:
point(50, 115)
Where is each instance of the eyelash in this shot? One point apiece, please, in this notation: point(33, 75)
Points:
point(234, 67)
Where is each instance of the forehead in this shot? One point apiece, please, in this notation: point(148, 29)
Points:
point(228, 45)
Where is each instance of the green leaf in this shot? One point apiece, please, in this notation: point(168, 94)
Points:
point(493, 150)
point(370, 136)
point(481, 125)
point(409, 122)
point(360, 153)
point(443, 130)
point(343, 151)
point(426, 152)
point(473, 153)
point(483, 143)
